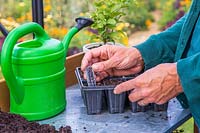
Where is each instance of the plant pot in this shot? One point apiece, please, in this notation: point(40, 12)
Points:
point(152, 106)
point(162, 107)
point(90, 46)
point(97, 97)
point(92, 96)
point(116, 103)
point(135, 107)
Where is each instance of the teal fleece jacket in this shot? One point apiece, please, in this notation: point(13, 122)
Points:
point(169, 46)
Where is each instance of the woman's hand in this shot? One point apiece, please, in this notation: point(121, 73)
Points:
point(157, 85)
point(111, 60)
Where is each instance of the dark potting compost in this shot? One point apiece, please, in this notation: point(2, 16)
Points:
point(99, 96)
point(12, 123)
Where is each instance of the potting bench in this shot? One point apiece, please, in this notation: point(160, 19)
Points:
point(76, 116)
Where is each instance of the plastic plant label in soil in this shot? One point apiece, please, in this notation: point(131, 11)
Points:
point(12, 123)
point(90, 76)
point(98, 96)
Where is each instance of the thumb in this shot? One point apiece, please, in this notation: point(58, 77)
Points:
point(103, 65)
point(125, 86)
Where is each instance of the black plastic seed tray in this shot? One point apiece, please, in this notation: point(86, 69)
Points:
point(137, 108)
point(101, 97)
point(162, 107)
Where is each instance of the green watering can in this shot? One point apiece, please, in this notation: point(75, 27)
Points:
point(34, 70)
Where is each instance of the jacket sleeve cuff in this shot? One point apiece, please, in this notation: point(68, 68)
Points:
point(183, 100)
point(151, 53)
point(147, 54)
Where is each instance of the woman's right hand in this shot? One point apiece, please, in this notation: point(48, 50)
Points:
point(112, 60)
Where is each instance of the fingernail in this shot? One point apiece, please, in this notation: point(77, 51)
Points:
point(97, 79)
point(115, 92)
point(95, 67)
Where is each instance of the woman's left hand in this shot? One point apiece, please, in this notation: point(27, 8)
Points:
point(156, 85)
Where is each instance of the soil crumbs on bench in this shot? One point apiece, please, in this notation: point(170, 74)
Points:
point(12, 123)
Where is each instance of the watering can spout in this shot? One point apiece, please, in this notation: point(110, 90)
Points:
point(81, 23)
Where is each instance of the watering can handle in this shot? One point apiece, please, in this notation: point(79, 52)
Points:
point(14, 83)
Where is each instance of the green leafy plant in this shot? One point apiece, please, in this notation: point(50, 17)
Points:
point(107, 15)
